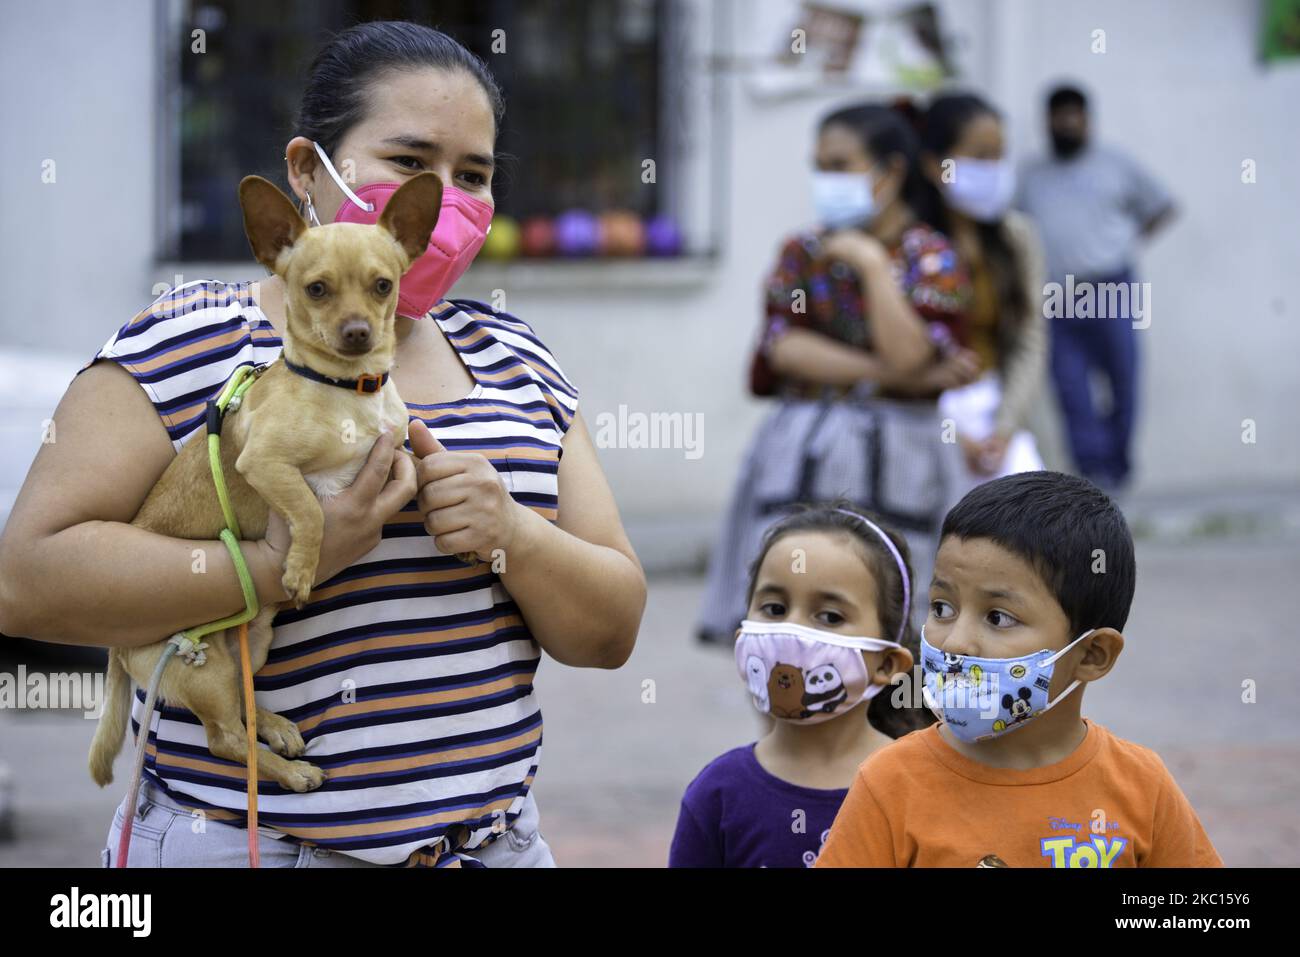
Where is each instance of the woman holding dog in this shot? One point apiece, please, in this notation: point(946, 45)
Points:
point(409, 672)
point(861, 331)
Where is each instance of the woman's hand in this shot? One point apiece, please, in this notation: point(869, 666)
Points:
point(956, 370)
point(898, 334)
point(985, 457)
point(860, 250)
point(951, 372)
point(466, 506)
point(354, 519)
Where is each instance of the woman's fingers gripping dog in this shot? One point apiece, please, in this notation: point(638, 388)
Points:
point(466, 506)
point(354, 519)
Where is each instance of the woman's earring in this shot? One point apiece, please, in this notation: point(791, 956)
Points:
point(311, 209)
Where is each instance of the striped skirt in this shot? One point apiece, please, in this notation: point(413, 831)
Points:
point(883, 455)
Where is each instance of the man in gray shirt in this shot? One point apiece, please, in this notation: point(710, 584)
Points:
point(1092, 204)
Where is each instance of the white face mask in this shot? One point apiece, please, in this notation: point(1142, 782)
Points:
point(982, 189)
point(843, 199)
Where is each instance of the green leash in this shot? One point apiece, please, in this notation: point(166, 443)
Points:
point(189, 643)
point(229, 400)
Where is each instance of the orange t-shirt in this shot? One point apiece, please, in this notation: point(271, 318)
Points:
point(1111, 803)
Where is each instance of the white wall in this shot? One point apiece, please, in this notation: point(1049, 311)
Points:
point(1179, 87)
point(76, 87)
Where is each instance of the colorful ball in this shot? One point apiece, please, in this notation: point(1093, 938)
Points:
point(663, 237)
point(503, 239)
point(538, 237)
point(621, 233)
point(576, 233)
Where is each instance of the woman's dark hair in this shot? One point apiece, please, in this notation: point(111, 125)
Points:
point(885, 132)
point(941, 127)
point(335, 98)
point(883, 714)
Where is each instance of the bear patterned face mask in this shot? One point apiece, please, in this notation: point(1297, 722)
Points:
point(803, 674)
point(462, 227)
point(982, 698)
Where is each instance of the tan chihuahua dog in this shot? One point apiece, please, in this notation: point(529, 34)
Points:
point(296, 435)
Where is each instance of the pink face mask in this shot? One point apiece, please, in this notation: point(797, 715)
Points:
point(462, 227)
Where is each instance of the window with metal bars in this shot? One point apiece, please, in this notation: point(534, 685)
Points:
point(591, 87)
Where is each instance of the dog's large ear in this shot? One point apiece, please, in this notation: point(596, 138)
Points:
point(412, 213)
point(270, 220)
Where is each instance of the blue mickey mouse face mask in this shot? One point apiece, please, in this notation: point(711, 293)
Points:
point(982, 698)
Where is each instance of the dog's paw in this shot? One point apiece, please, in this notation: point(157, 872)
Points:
point(297, 583)
point(302, 777)
point(280, 734)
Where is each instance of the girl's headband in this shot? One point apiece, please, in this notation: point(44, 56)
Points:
point(902, 568)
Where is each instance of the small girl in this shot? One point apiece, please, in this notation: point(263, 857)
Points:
point(825, 632)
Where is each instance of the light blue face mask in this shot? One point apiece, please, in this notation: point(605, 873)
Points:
point(982, 698)
point(843, 199)
point(982, 189)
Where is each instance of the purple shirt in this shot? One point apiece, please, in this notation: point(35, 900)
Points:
point(736, 814)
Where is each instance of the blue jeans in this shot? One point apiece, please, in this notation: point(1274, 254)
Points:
point(163, 836)
point(1099, 443)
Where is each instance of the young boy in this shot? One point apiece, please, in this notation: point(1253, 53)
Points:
point(1032, 586)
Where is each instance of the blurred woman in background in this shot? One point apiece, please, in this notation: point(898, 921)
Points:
point(963, 156)
point(861, 333)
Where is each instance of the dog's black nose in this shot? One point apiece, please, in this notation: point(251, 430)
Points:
point(356, 335)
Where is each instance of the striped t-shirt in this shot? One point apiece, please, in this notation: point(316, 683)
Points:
point(409, 674)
